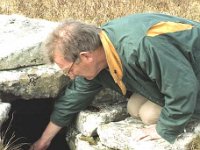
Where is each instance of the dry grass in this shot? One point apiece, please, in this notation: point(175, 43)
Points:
point(97, 11)
point(11, 143)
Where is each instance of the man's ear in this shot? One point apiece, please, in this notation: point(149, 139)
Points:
point(86, 56)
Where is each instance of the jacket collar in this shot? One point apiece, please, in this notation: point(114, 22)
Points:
point(113, 60)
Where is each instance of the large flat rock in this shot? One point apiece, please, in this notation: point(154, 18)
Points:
point(88, 121)
point(4, 110)
point(118, 135)
point(44, 81)
point(20, 40)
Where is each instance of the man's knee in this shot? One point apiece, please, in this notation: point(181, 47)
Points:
point(134, 104)
point(149, 113)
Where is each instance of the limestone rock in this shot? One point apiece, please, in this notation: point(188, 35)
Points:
point(77, 141)
point(71, 134)
point(118, 135)
point(22, 73)
point(107, 96)
point(20, 40)
point(42, 81)
point(4, 110)
point(87, 121)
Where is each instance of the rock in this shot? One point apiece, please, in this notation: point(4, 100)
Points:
point(20, 40)
point(119, 135)
point(107, 96)
point(71, 134)
point(77, 141)
point(42, 81)
point(197, 128)
point(22, 73)
point(87, 121)
point(4, 110)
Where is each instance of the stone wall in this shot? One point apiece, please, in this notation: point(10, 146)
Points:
point(94, 131)
point(104, 125)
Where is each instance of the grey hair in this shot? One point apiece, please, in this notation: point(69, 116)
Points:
point(71, 38)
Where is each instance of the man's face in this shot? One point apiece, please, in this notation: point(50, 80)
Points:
point(85, 66)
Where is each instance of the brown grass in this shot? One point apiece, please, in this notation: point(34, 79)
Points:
point(98, 11)
point(194, 144)
point(12, 142)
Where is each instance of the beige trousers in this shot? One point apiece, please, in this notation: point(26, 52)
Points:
point(142, 108)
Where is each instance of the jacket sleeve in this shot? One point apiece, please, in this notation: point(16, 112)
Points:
point(162, 61)
point(77, 97)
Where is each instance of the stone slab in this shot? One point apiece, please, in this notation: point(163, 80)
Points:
point(44, 81)
point(20, 40)
point(87, 121)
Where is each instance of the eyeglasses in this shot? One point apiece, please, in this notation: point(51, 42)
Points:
point(67, 72)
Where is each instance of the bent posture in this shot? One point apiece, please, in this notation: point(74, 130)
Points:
point(152, 59)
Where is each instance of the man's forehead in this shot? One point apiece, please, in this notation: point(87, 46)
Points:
point(59, 58)
point(58, 54)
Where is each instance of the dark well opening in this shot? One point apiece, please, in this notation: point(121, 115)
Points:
point(30, 118)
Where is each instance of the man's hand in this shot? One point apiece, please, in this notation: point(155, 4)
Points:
point(40, 145)
point(146, 134)
point(46, 138)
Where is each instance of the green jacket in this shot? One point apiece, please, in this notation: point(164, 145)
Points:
point(164, 68)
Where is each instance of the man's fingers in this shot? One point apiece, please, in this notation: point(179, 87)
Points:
point(146, 138)
point(148, 133)
point(138, 135)
point(32, 147)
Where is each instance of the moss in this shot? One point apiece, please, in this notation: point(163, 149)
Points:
point(194, 144)
point(91, 140)
point(93, 108)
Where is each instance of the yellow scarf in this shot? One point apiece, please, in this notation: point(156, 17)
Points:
point(113, 60)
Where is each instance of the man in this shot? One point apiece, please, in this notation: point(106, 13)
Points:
point(155, 58)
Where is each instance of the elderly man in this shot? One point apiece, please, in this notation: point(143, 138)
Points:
point(153, 59)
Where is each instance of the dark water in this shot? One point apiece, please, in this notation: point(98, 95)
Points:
point(29, 121)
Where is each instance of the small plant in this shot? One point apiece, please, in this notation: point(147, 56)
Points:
point(11, 143)
point(91, 140)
